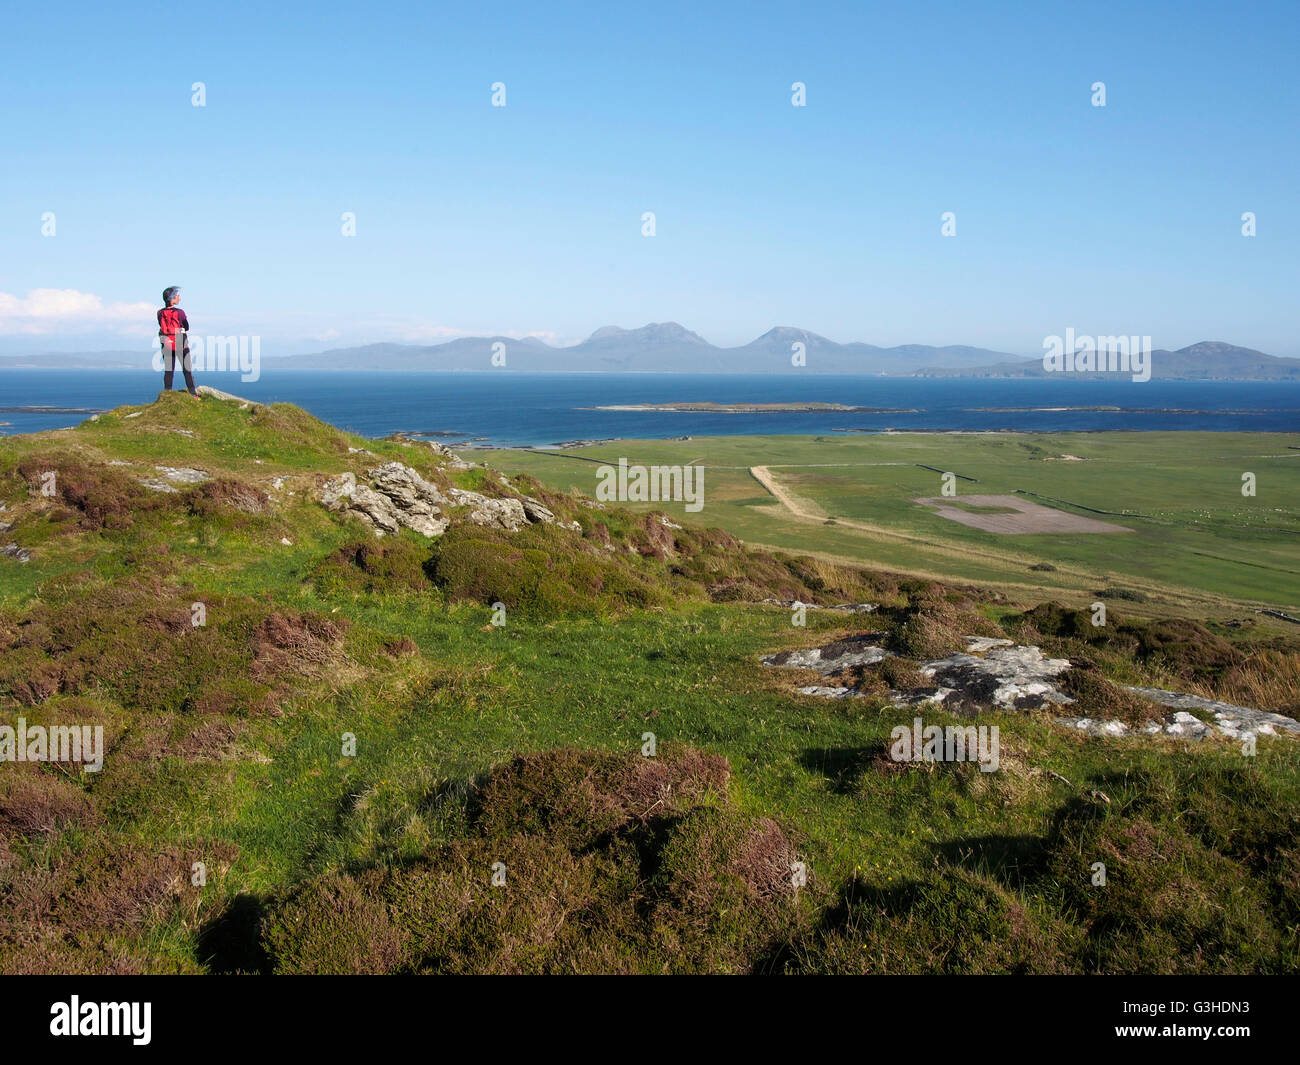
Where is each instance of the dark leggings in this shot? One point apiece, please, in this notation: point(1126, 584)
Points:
point(187, 366)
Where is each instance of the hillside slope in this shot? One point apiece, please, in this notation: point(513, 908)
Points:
point(524, 732)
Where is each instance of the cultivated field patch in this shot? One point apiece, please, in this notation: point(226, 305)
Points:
point(1013, 516)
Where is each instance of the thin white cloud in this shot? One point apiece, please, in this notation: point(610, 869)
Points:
point(65, 310)
point(556, 340)
point(425, 332)
point(422, 331)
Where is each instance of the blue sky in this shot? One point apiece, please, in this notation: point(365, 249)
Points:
point(527, 219)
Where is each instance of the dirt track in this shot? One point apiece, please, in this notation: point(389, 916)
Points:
point(796, 507)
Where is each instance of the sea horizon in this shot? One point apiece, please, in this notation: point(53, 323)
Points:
point(506, 408)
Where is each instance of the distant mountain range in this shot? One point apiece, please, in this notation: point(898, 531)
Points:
point(1209, 360)
point(671, 348)
point(657, 348)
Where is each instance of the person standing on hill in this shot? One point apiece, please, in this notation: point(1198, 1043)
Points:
point(174, 327)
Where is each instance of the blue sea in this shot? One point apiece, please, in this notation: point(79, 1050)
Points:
point(508, 408)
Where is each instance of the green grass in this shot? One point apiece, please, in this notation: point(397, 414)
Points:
point(1195, 538)
point(227, 742)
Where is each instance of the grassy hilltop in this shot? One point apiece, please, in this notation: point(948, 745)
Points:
point(516, 750)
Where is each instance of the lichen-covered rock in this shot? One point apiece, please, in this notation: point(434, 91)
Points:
point(538, 513)
point(505, 513)
point(993, 673)
point(401, 499)
point(998, 673)
point(18, 554)
point(832, 658)
point(376, 508)
point(183, 474)
point(336, 491)
point(1013, 677)
point(453, 461)
point(1182, 724)
point(1230, 720)
point(1094, 727)
point(174, 475)
point(405, 486)
point(216, 393)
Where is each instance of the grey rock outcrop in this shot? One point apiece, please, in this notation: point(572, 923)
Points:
point(992, 673)
point(998, 673)
point(1181, 724)
point(216, 393)
point(538, 513)
point(506, 513)
point(401, 499)
point(183, 474)
point(405, 487)
point(832, 658)
point(1230, 720)
point(454, 461)
point(174, 475)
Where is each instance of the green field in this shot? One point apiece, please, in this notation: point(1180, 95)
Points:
point(1197, 544)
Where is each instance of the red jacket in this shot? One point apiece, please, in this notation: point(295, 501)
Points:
point(172, 320)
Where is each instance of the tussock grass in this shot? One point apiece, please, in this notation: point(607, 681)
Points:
point(1228, 665)
point(603, 863)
